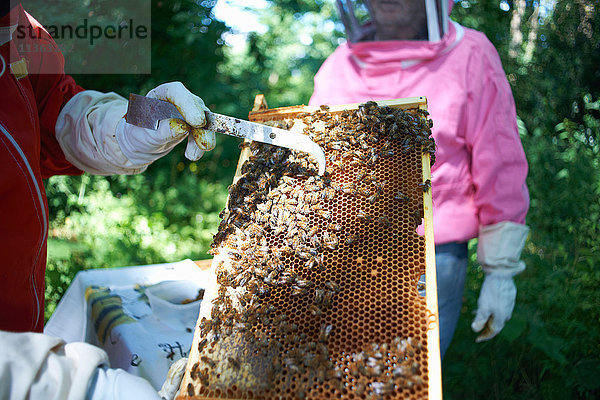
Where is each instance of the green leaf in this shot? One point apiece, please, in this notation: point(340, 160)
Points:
point(587, 373)
point(514, 328)
point(540, 338)
point(553, 389)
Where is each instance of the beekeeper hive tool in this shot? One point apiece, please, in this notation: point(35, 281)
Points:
point(146, 112)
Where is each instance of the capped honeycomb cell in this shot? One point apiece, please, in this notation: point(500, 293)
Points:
point(314, 290)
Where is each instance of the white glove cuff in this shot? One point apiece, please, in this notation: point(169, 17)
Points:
point(499, 248)
point(85, 130)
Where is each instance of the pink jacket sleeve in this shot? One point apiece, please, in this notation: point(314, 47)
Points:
point(498, 163)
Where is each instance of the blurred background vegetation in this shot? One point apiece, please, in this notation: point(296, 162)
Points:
point(551, 53)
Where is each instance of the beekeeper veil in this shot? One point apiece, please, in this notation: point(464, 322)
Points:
point(369, 20)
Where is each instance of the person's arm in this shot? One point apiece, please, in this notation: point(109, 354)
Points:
point(94, 136)
point(499, 170)
point(37, 366)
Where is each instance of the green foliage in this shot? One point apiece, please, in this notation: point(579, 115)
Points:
point(133, 220)
point(550, 348)
point(282, 62)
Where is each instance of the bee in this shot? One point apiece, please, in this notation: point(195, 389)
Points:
point(351, 239)
point(319, 295)
point(208, 361)
point(383, 220)
point(373, 160)
point(401, 197)
point(364, 191)
point(324, 214)
point(315, 310)
point(373, 370)
point(190, 390)
point(349, 188)
point(354, 370)
point(334, 287)
point(328, 193)
point(373, 198)
point(255, 230)
point(357, 163)
point(321, 375)
point(334, 227)
point(303, 283)
point(203, 376)
point(330, 239)
point(387, 153)
point(414, 367)
point(234, 362)
point(418, 381)
point(363, 216)
point(336, 186)
point(325, 332)
point(314, 262)
point(379, 186)
point(305, 255)
point(399, 371)
point(313, 231)
point(310, 360)
point(194, 370)
point(264, 207)
point(202, 344)
point(297, 290)
point(417, 218)
point(292, 365)
point(426, 185)
point(359, 389)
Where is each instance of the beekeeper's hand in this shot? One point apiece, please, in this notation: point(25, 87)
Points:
point(171, 386)
point(498, 252)
point(94, 136)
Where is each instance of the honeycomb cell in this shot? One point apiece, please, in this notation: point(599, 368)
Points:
point(317, 298)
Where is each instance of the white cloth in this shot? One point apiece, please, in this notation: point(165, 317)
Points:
point(34, 366)
point(126, 312)
point(94, 136)
point(116, 384)
point(498, 251)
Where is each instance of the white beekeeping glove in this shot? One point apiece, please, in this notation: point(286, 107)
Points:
point(94, 136)
point(498, 252)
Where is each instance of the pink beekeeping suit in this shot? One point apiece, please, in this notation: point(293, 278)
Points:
point(479, 175)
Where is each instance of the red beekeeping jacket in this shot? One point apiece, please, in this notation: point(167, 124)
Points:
point(30, 101)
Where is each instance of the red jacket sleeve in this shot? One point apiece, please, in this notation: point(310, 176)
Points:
point(52, 89)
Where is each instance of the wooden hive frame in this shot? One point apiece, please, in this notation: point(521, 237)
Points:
point(261, 113)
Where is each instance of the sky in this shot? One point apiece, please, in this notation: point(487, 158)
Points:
point(241, 19)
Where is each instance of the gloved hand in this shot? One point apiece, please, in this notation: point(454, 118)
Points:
point(171, 386)
point(94, 136)
point(498, 251)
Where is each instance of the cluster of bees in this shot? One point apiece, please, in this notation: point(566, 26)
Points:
point(272, 244)
point(384, 368)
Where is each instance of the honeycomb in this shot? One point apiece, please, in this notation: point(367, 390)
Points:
point(314, 292)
